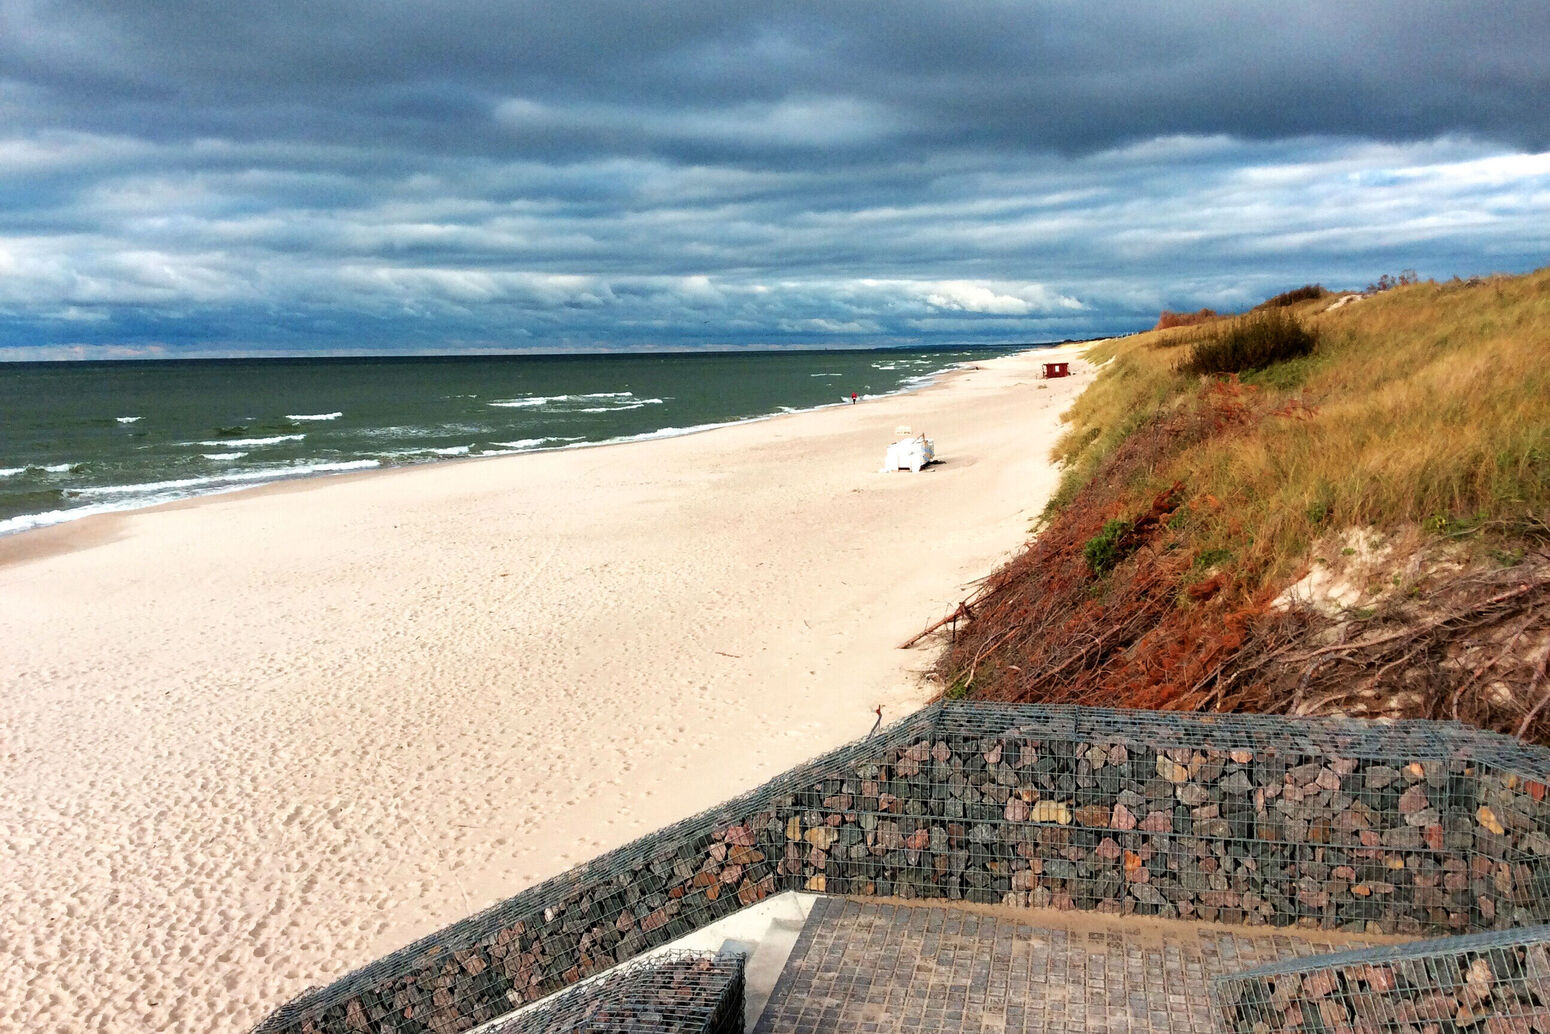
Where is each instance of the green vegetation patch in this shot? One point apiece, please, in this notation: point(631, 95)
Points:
point(1251, 343)
point(1428, 401)
point(1103, 551)
point(1306, 293)
point(1421, 415)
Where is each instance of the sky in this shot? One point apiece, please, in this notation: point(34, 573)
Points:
point(198, 177)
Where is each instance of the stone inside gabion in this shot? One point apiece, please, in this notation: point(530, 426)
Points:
point(1496, 982)
point(1405, 827)
point(690, 992)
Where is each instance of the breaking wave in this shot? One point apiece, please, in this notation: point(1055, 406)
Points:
point(273, 440)
point(527, 401)
point(243, 476)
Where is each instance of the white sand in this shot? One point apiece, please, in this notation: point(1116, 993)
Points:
point(250, 743)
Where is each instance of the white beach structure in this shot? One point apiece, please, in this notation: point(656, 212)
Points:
point(909, 450)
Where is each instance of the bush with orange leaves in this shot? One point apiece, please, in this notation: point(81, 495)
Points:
point(1184, 319)
point(1148, 627)
point(1118, 604)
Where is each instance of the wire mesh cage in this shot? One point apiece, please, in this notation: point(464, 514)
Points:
point(671, 993)
point(1497, 983)
point(1409, 827)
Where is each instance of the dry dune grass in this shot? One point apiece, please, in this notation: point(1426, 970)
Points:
point(1422, 414)
point(1428, 403)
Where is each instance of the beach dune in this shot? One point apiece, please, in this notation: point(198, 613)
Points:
point(253, 741)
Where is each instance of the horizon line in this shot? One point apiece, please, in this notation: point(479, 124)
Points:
point(558, 354)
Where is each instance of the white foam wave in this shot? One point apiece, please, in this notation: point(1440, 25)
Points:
point(262, 474)
point(28, 521)
point(224, 455)
point(273, 440)
point(679, 432)
point(135, 497)
point(637, 404)
point(826, 375)
point(314, 416)
point(528, 444)
point(126, 419)
point(544, 400)
point(51, 468)
point(452, 450)
point(668, 432)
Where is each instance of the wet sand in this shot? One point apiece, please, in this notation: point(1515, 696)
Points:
point(253, 741)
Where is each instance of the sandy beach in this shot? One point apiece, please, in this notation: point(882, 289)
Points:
point(253, 741)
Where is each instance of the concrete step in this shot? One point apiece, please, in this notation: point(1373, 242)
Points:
point(766, 962)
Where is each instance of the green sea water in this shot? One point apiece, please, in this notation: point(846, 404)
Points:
point(84, 438)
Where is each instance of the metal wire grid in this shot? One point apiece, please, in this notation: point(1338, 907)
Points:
point(605, 887)
point(978, 818)
point(1471, 756)
point(1521, 859)
point(1235, 861)
point(672, 993)
point(1501, 980)
point(1323, 736)
point(1157, 879)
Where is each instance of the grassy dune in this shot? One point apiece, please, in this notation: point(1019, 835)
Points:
point(1420, 421)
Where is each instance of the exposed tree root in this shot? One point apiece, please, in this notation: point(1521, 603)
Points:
point(1471, 648)
point(1147, 629)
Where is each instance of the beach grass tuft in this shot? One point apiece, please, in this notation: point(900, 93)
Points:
point(1249, 343)
point(1305, 293)
point(1425, 399)
point(1168, 320)
point(1194, 492)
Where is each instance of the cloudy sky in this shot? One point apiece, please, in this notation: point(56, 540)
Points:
point(202, 176)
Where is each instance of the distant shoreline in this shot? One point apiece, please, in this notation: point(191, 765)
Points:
point(91, 529)
point(336, 714)
point(372, 357)
point(163, 488)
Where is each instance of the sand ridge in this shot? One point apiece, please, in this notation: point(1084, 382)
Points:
point(253, 742)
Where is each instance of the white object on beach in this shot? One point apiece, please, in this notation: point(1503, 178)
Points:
point(913, 451)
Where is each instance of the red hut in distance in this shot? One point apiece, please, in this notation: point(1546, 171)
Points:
point(1057, 369)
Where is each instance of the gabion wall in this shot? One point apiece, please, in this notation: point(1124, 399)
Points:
point(1497, 983)
point(1409, 827)
point(679, 993)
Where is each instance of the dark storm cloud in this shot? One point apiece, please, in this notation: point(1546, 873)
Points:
point(449, 173)
point(673, 79)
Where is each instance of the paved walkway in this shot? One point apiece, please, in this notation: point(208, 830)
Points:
point(877, 968)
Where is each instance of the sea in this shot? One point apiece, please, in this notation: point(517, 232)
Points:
point(82, 438)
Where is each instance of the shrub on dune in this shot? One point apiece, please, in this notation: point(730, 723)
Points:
point(1250, 343)
point(1308, 292)
point(1184, 319)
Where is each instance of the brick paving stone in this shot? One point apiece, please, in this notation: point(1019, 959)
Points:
point(881, 968)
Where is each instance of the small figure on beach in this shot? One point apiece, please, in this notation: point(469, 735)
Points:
point(852, 398)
